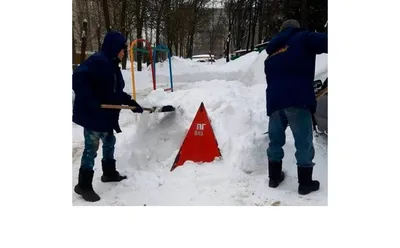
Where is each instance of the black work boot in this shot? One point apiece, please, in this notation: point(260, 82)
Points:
point(110, 174)
point(276, 176)
point(306, 184)
point(84, 186)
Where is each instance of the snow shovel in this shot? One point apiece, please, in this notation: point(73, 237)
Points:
point(162, 109)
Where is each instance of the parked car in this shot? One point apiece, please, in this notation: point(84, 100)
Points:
point(320, 89)
point(321, 114)
point(203, 58)
point(321, 85)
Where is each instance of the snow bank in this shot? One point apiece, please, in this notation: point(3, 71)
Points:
point(187, 71)
point(248, 69)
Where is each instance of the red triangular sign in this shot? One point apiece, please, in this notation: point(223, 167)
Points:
point(200, 144)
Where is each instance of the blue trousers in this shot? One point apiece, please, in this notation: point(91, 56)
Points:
point(92, 140)
point(300, 122)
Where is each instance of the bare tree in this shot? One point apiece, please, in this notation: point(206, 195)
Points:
point(196, 6)
point(83, 41)
point(216, 27)
point(106, 15)
point(140, 14)
point(98, 38)
point(249, 10)
point(254, 13)
point(230, 23)
point(123, 30)
point(73, 46)
point(88, 18)
point(190, 26)
point(304, 13)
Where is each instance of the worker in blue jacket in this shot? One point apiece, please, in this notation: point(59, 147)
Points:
point(99, 81)
point(289, 70)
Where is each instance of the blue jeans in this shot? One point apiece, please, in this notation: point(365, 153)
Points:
point(92, 139)
point(300, 122)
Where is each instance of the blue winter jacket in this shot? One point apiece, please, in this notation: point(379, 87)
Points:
point(290, 68)
point(99, 81)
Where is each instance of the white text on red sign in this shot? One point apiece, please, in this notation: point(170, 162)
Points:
point(199, 129)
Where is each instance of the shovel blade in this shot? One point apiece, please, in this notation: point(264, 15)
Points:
point(163, 109)
point(167, 108)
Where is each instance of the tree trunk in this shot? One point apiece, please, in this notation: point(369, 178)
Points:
point(89, 28)
point(230, 23)
point(151, 34)
point(167, 23)
point(286, 9)
point(83, 41)
point(260, 20)
point(181, 52)
point(98, 38)
point(181, 40)
point(123, 30)
point(239, 30)
point(73, 46)
point(268, 20)
point(228, 45)
point(304, 14)
point(253, 29)
point(158, 23)
point(146, 57)
point(139, 30)
point(99, 21)
point(106, 15)
point(146, 30)
point(253, 34)
point(192, 28)
point(250, 10)
point(190, 40)
point(187, 44)
point(176, 45)
point(114, 15)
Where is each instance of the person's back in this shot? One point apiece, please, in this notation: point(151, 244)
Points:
point(289, 70)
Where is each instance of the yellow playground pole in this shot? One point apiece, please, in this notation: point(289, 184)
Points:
point(132, 59)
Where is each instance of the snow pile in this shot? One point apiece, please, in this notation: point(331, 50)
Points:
point(241, 64)
point(255, 73)
point(186, 70)
point(245, 118)
point(248, 69)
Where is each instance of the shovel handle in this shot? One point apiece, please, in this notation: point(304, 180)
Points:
point(110, 106)
point(321, 93)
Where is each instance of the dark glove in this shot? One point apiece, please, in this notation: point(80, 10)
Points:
point(138, 108)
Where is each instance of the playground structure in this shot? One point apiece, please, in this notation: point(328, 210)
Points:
point(163, 48)
point(132, 59)
point(153, 58)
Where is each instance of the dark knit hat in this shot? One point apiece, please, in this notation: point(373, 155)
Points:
point(289, 24)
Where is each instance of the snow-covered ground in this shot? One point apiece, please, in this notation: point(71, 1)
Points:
point(234, 96)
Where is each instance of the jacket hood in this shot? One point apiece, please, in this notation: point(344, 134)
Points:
point(113, 43)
